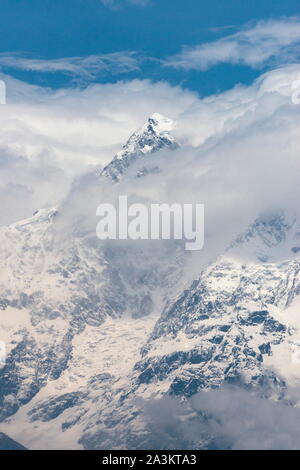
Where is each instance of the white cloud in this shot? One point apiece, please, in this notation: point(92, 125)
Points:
point(265, 43)
point(115, 4)
point(239, 155)
point(88, 67)
point(241, 420)
point(226, 418)
point(49, 137)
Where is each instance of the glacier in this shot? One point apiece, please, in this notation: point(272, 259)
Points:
point(95, 331)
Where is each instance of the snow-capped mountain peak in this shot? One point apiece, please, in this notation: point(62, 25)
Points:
point(160, 124)
point(154, 135)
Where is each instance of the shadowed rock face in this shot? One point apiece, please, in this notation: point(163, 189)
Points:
point(51, 292)
point(9, 444)
point(222, 329)
point(87, 340)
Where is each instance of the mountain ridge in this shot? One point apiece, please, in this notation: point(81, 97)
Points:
point(154, 135)
point(93, 330)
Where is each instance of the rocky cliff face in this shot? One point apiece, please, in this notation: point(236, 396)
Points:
point(226, 326)
point(52, 290)
point(152, 137)
point(92, 330)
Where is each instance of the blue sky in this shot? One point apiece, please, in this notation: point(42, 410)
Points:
point(147, 32)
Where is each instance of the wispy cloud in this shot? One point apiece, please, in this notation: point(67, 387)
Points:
point(258, 45)
point(88, 67)
point(116, 4)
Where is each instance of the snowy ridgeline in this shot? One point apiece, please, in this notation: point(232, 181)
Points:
point(94, 332)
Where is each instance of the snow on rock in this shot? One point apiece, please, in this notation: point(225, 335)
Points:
point(90, 329)
point(153, 136)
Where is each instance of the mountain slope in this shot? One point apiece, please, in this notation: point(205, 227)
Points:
point(152, 137)
point(54, 288)
point(234, 324)
point(9, 444)
point(228, 324)
point(94, 330)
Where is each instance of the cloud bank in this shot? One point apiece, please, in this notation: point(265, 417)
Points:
point(238, 155)
point(242, 421)
point(50, 137)
point(227, 418)
point(262, 44)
